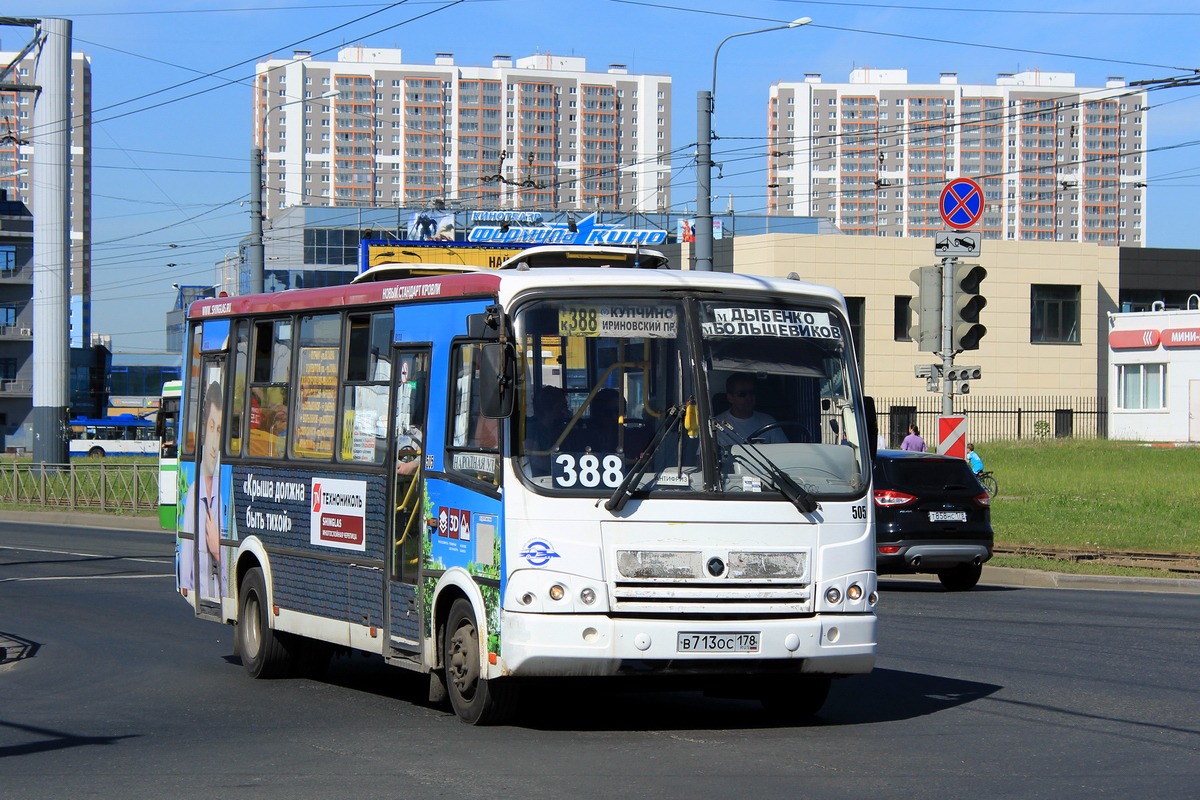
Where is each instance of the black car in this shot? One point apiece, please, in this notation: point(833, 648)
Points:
point(931, 515)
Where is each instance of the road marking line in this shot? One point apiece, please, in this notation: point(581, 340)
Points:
point(85, 555)
point(84, 577)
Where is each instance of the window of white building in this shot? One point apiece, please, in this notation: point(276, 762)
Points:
point(1141, 387)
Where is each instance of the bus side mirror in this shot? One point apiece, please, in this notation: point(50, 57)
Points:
point(872, 424)
point(486, 325)
point(498, 380)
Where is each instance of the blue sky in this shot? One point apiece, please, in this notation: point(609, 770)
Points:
point(172, 158)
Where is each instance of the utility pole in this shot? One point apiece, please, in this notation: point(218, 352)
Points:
point(704, 220)
point(254, 252)
point(51, 139)
point(705, 100)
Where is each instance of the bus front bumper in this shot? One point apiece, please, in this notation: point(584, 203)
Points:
point(597, 645)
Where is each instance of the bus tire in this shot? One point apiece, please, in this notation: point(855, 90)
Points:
point(476, 700)
point(263, 652)
point(795, 698)
point(96, 452)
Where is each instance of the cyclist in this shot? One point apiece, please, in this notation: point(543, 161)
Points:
point(973, 459)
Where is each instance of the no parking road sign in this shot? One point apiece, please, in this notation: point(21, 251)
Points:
point(961, 203)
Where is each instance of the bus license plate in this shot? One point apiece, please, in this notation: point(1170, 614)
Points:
point(717, 642)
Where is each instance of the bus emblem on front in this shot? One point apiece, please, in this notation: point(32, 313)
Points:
point(538, 553)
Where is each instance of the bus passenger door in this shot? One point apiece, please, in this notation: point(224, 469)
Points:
point(410, 373)
point(205, 510)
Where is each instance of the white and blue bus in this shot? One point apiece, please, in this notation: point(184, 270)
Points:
point(494, 476)
point(119, 435)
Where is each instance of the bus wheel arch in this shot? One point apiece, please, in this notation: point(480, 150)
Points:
point(251, 555)
point(460, 628)
point(96, 452)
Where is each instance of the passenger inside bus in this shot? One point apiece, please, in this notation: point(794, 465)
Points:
point(603, 431)
point(551, 412)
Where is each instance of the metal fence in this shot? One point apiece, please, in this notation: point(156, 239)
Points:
point(102, 486)
point(993, 418)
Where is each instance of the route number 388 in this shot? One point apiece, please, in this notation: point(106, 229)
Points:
point(587, 470)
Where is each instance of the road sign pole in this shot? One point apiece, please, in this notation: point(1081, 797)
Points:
point(948, 265)
point(960, 206)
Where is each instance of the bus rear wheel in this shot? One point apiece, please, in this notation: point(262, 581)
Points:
point(263, 652)
point(96, 452)
point(476, 700)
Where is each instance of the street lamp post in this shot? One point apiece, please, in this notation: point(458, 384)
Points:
point(254, 249)
point(704, 163)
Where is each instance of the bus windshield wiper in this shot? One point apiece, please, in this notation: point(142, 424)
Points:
point(796, 494)
point(624, 491)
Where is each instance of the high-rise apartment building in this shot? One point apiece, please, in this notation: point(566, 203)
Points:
point(1056, 162)
point(539, 133)
point(17, 144)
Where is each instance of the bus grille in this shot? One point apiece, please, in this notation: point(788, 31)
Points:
point(696, 582)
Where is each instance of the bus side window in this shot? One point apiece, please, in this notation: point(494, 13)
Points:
point(237, 403)
point(188, 445)
point(269, 390)
point(313, 426)
point(471, 430)
point(366, 389)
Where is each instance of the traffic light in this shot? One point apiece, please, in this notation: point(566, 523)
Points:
point(968, 302)
point(960, 378)
point(926, 329)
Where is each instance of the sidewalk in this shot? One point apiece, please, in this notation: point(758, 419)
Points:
point(992, 576)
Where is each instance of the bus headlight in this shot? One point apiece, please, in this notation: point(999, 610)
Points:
point(588, 596)
point(833, 595)
point(557, 592)
point(854, 592)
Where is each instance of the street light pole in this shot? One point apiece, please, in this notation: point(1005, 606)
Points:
point(705, 103)
point(255, 248)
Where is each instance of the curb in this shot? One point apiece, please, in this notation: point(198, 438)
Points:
point(1038, 579)
point(83, 518)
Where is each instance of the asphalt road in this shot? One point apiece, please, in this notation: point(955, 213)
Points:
point(108, 688)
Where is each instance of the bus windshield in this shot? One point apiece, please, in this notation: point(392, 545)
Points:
point(741, 389)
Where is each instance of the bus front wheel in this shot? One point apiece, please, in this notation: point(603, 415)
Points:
point(96, 452)
point(475, 699)
point(261, 648)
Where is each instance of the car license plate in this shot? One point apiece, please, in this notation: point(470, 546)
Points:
point(947, 516)
point(717, 642)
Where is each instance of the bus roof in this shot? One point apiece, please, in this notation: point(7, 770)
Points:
point(441, 287)
point(572, 266)
point(565, 256)
point(396, 272)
